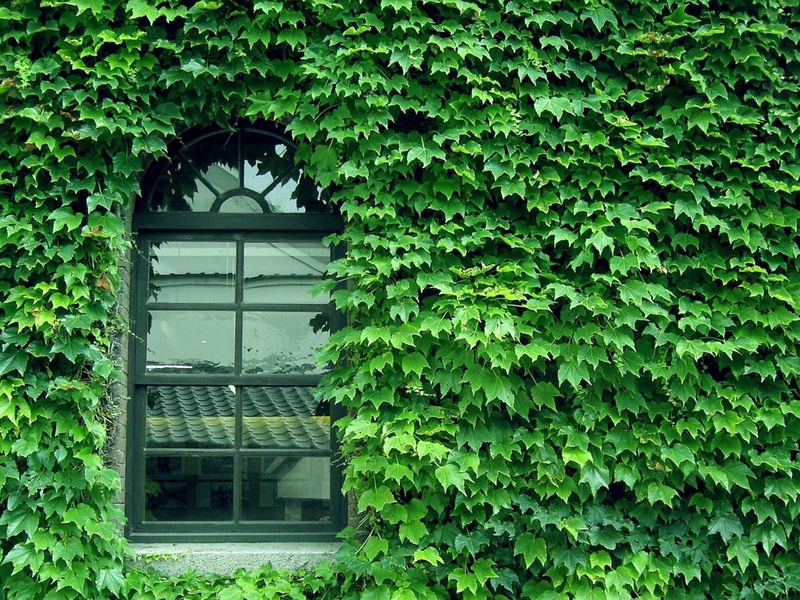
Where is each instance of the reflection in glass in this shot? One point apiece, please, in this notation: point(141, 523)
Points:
point(284, 417)
point(283, 272)
point(188, 488)
point(281, 342)
point(286, 488)
point(223, 178)
point(281, 402)
point(183, 271)
point(202, 197)
point(190, 417)
point(297, 433)
point(267, 163)
point(240, 204)
point(243, 164)
point(216, 161)
point(191, 342)
point(175, 190)
point(283, 197)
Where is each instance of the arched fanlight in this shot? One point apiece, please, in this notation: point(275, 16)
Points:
point(246, 170)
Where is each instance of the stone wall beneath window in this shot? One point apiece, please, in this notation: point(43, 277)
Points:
point(224, 559)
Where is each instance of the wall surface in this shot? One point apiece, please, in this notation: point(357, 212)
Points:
point(572, 284)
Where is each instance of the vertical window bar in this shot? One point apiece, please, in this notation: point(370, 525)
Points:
point(237, 457)
point(139, 435)
point(141, 269)
point(139, 420)
point(337, 411)
point(142, 266)
point(239, 296)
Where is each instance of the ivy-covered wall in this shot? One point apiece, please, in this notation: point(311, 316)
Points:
point(572, 367)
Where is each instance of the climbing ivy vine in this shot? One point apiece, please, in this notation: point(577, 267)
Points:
point(571, 370)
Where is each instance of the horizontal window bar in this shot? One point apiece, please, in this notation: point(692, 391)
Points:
point(232, 306)
point(213, 379)
point(253, 453)
point(183, 221)
point(244, 531)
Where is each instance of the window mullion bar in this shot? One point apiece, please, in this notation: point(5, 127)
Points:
point(142, 266)
point(237, 459)
point(238, 336)
point(239, 295)
point(313, 308)
point(302, 380)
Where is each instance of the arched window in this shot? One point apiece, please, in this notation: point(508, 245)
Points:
point(226, 439)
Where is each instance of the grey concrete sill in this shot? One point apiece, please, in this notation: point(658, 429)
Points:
point(225, 558)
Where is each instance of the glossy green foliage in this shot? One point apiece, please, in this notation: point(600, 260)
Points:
point(572, 283)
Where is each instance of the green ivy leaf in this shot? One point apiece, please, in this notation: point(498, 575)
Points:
point(324, 158)
point(424, 155)
point(24, 556)
point(112, 580)
point(13, 361)
point(19, 520)
point(413, 531)
point(65, 218)
point(294, 37)
point(376, 499)
point(430, 555)
point(556, 106)
point(473, 542)
point(450, 475)
point(600, 16)
point(415, 363)
point(726, 525)
point(531, 548)
point(744, 552)
point(597, 477)
point(374, 546)
point(574, 372)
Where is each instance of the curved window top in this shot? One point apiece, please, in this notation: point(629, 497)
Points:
point(245, 170)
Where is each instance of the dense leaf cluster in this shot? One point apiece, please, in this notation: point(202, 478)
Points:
point(572, 368)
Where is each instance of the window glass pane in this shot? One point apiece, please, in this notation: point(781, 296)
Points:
point(282, 402)
point(282, 342)
point(190, 341)
point(217, 158)
point(286, 489)
point(240, 204)
point(283, 272)
point(192, 272)
point(283, 197)
point(180, 190)
point(296, 194)
point(207, 169)
point(190, 417)
point(188, 488)
point(222, 177)
point(301, 433)
point(284, 417)
point(266, 160)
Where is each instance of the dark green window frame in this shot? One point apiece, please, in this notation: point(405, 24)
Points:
point(240, 230)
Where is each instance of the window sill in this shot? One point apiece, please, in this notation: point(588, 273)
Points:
point(225, 558)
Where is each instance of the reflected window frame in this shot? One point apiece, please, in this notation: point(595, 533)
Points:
point(241, 229)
